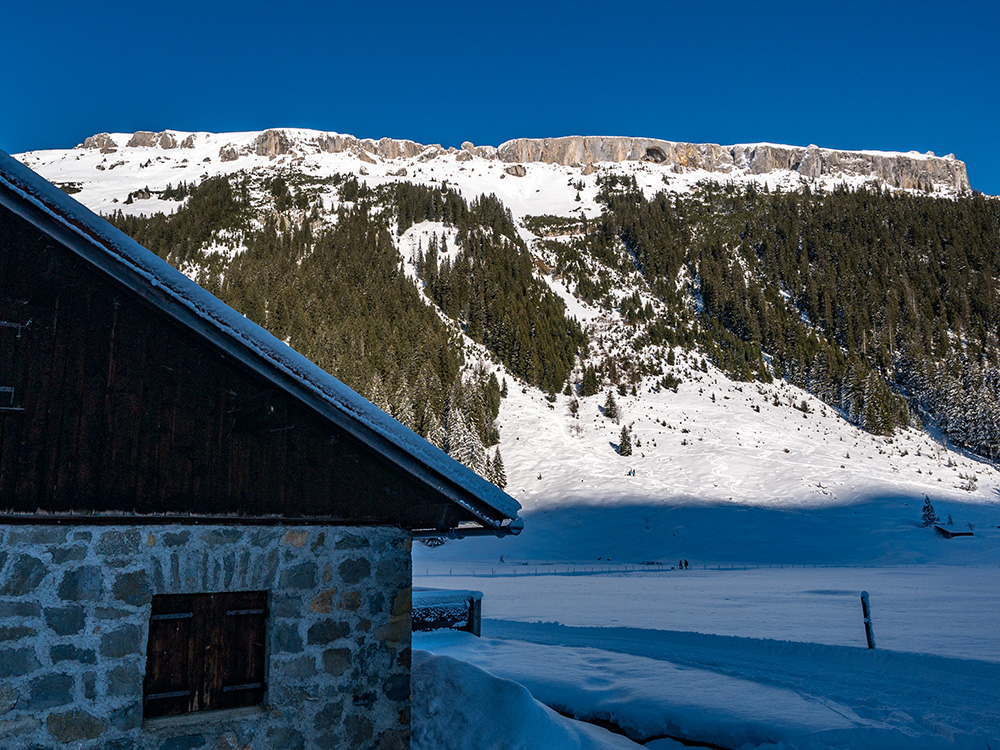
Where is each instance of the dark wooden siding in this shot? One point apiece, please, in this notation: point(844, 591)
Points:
point(124, 410)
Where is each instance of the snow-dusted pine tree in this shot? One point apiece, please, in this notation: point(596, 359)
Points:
point(927, 513)
point(403, 411)
point(435, 433)
point(454, 421)
point(376, 394)
point(499, 474)
point(465, 446)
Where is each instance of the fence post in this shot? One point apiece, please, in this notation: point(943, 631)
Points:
point(476, 617)
point(866, 610)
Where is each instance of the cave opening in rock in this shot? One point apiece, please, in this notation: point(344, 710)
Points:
point(655, 154)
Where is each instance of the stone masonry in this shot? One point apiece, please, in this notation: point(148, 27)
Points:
point(74, 617)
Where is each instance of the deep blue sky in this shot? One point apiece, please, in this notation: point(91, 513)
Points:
point(877, 75)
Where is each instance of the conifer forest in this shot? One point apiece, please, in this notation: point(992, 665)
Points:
point(884, 305)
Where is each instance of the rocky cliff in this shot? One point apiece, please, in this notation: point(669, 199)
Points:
point(910, 171)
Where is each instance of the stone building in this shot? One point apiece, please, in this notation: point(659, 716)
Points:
point(204, 538)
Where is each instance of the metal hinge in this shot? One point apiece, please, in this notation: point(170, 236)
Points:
point(176, 616)
point(247, 686)
point(174, 694)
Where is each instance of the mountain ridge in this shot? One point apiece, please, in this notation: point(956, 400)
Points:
point(903, 171)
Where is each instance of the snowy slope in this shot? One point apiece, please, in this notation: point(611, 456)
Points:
point(717, 481)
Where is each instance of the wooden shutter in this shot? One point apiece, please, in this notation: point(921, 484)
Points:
point(11, 359)
point(238, 643)
point(174, 655)
point(205, 651)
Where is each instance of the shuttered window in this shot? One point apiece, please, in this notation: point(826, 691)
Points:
point(206, 651)
point(10, 364)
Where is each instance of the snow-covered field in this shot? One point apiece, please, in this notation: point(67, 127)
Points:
point(940, 610)
point(768, 657)
point(784, 519)
point(724, 474)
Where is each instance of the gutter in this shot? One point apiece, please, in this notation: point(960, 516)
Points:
point(513, 528)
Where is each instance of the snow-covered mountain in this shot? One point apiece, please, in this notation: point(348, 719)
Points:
point(787, 464)
point(530, 169)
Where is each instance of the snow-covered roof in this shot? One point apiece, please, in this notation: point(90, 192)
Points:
point(84, 232)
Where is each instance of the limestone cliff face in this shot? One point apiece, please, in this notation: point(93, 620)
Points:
point(272, 143)
point(908, 171)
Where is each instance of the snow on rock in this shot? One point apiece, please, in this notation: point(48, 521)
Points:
point(457, 706)
point(108, 167)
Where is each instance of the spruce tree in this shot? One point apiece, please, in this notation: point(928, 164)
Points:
point(589, 386)
point(376, 393)
point(466, 447)
point(624, 443)
point(499, 474)
point(403, 413)
point(927, 513)
point(610, 407)
point(454, 421)
point(434, 432)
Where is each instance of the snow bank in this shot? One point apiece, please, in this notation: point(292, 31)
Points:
point(742, 693)
point(457, 706)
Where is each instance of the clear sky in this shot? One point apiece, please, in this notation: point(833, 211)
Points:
point(887, 75)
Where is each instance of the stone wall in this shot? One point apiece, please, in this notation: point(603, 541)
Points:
point(74, 615)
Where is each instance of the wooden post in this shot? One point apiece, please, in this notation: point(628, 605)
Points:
point(475, 616)
point(866, 610)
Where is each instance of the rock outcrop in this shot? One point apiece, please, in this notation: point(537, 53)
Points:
point(272, 143)
point(228, 153)
point(911, 171)
point(146, 139)
point(102, 142)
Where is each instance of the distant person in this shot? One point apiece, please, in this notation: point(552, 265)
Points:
point(680, 565)
point(685, 565)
